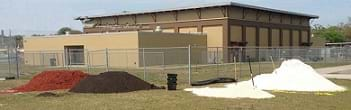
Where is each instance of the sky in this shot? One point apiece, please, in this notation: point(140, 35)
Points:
point(26, 17)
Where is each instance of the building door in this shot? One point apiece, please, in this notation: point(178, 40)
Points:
point(74, 55)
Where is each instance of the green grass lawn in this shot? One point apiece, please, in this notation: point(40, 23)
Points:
point(171, 100)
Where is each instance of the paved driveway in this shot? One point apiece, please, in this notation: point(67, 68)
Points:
point(340, 72)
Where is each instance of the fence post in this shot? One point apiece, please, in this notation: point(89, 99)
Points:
point(9, 59)
point(17, 62)
point(189, 64)
point(325, 55)
point(279, 53)
point(240, 61)
point(259, 61)
point(217, 61)
point(62, 58)
point(42, 60)
point(88, 61)
point(144, 64)
point(163, 62)
point(69, 62)
point(106, 58)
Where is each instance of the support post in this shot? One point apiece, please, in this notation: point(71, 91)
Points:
point(69, 61)
point(144, 64)
point(189, 63)
point(259, 60)
point(63, 59)
point(217, 61)
point(17, 61)
point(163, 62)
point(106, 58)
point(42, 60)
point(88, 61)
point(9, 59)
point(240, 61)
point(325, 55)
point(279, 53)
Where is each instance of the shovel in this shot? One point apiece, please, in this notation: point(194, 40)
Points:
point(253, 82)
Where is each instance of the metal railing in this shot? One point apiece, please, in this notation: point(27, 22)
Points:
point(9, 57)
point(190, 63)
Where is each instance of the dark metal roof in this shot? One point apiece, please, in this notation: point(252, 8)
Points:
point(204, 6)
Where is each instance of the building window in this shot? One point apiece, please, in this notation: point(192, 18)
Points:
point(74, 55)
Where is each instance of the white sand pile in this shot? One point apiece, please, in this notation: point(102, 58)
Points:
point(239, 90)
point(294, 75)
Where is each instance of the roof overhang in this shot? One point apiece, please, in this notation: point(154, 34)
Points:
point(203, 6)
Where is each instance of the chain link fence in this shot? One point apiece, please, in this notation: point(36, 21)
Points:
point(190, 63)
point(9, 57)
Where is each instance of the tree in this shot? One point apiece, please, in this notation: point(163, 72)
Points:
point(333, 34)
point(63, 31)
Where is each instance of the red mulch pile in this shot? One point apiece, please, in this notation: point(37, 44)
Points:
point(52, 80)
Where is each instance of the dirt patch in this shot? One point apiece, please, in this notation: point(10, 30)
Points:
point(334, 73)
point(52, 80)
point(112, 82)
point(48, 94)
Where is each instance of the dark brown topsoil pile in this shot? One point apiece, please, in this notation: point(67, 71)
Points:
point(111, 82)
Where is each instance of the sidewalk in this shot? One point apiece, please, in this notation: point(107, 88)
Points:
point(339, 72)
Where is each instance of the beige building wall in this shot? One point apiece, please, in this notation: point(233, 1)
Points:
point(286, 38)
point(275, 38)
point(295, 38)
point(275, 18)
point(124, 49)
point(168, 30)
point(123, 40)
point(145, 18)
point(108, 21)
point(250, 14)
point(211, 13)
point(263, 17)
point(157, 40)
point(126, 20)
point(296, 20)
point(251, 36)
point(148, 30)
point(286, 19)
point(263, 37)
point(172, 56)
point(187, 15)
point(165, 17)
point(251, 39)
point(304, 36)
point(96, 43)
point(236, 13)
point(188, 30)
point(305, 21)
point(43, 58)
point(214, 35)
point(236, 33)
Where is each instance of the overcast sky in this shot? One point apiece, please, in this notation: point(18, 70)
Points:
point(47, 16)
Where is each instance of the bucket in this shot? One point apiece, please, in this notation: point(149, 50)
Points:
point(172, 81)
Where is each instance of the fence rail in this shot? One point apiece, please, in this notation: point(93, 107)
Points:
point(190, 63)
